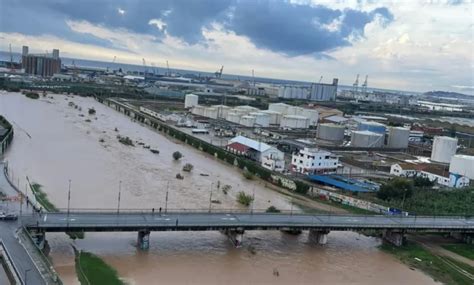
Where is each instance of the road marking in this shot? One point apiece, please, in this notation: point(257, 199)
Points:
point(45, 217)
point(160, 219)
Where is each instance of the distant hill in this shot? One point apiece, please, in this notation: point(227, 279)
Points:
point(448, 94)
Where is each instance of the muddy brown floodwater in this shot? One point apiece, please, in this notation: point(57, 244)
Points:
point(55, 142)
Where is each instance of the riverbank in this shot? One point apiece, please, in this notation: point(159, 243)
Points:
point(93, 270)
point(466, 250)
point(442, 269)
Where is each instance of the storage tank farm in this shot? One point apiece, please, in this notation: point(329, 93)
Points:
point(444, 148)
point(275, 117)
point(248, 121)
point(294, 122)
point(398, 137)
point(190, 100)
point(198, 110)
point(330, 132)
point(367, 139)
point(261, 119)
point(463, 165)
point(233, 117)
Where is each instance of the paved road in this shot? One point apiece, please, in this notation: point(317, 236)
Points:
point(211, 221)
point(20, 256)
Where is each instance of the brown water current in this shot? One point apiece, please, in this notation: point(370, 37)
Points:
point(54, 143)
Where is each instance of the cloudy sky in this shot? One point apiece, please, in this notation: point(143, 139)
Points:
point(406, 45)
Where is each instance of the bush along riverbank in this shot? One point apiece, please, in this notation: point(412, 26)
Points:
point(42, 198)
point(442, 269)
point(92, 270)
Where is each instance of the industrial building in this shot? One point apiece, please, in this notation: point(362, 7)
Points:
point(314, 161)
point(44, 65)
point(317, 92)
point(269, 157)
point(434, 173)
point(444, 148)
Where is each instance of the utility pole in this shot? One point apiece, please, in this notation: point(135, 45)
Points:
point(166, 199)
point(210, 198)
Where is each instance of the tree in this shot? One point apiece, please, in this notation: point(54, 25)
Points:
point(422, 182)
point(398, 188)
point(177, 155)
point(244, 198)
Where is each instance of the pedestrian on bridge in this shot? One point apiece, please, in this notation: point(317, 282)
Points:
point(153, 211)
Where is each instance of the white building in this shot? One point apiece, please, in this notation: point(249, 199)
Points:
point(270, 157)
point(311, 161)
point(431, 172)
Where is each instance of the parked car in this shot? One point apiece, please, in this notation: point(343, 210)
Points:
point(8, 217)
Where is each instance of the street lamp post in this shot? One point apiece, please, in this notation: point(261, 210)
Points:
point(166, 198)
point(68, 202)
point(210, 198)
point(119, 194)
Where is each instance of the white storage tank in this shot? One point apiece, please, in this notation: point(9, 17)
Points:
point(233, 117)
point(366, 139)
point(222, 111)
point(443, 149)
point(247, 121)
point(210, 112)
point(293, 110)
point(372, 127)
point(278, 107)
point(190, 100)
point(261, 119)
point(330, 132)
point(275, 117)
point(462, 165)
point(398, 137)
point(311, 114)
point(294, 122)
point(198, 110)
point(247, 108)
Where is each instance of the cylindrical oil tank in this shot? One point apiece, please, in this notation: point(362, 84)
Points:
point(294, 122)
point(247, 121)
point(330, 132)
point(210, 112)
point(233, 117)
point(293, 110)
point(398, 137)
point(222, 110)
point(463, 165)
point(190, 100)
point(261, 119)
point(372, 127)
point(366, 139)
point(443, 149)
point(278, 107)
point(248, 109)
point(198, 110)
point(241, 112)
point(275, 117)
point(311, 114)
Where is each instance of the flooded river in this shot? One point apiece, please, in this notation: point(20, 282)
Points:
point(55, 142)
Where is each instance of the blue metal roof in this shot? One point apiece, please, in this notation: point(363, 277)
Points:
point(337, 183)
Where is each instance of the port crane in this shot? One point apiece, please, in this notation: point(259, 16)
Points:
point(364, 85)
point(356, 84)
point(218, 73)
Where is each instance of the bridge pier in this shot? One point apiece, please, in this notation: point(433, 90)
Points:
point(318, 236)
point(143, 239)
point(396, 238)
point(235, 236)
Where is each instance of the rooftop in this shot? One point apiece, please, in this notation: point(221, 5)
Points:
point(258, 146)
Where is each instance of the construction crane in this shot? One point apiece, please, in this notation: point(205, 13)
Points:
point(364, 85)
point(11, 57)
point(320, 79)
point(356, 84)
point(75, 71)
point(218, 73)
point(168, 68)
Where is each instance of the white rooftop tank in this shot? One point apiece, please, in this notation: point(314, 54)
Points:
point(443, 149)
point(190, 100)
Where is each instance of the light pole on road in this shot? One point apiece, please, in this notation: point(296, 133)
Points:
point(68, 202)
point(119, 193)
point(26, 275)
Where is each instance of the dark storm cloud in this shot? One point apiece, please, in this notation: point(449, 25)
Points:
point(274, 25)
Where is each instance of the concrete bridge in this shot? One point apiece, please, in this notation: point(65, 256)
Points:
point(234, 224)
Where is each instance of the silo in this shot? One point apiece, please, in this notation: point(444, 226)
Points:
point(261, 119)
point(443, 149)
point(198, 110)
point(294, 122)
point(248, 121)
point(366, 139)
point(190, 100)
point(398, 137)
point(278, 107)
point(281, 92)
point(233, 117)
point(210, 112)
point(222, 110)
point(311, 114)
point(275, 117)
point(330, 132)
point(372, 127)
point(462, 165)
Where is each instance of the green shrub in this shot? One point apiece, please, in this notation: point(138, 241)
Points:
point(244, 198)
point(177, 155)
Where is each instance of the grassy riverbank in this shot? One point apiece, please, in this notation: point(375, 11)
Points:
point(466, 250)
point(92, 270)
point(442, 269)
